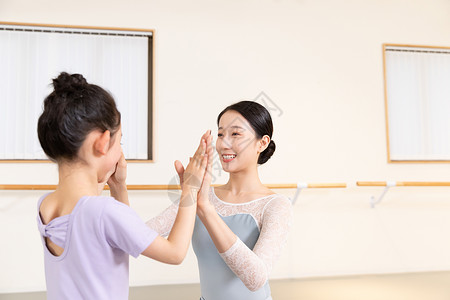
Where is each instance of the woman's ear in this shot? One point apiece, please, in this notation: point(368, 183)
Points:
point(264, 143)
point(101, 144)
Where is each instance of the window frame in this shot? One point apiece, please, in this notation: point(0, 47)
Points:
point(150, 86)
point(389, 159)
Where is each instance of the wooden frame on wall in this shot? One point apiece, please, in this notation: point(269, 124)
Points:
point(389, 158)
point(150, 86)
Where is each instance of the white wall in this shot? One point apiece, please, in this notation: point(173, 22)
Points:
point(321, 63)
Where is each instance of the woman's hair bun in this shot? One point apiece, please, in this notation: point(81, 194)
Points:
point(267, 153)
point(69, 83)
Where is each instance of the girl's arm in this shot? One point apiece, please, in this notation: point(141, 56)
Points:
point(163, 222)
point(173, 249)
point(252, 267)
point(116, 180)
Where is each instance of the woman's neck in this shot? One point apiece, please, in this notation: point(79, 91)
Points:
point(245, 181)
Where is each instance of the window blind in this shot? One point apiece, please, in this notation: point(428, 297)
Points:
point(418, 103)
point(30, 56)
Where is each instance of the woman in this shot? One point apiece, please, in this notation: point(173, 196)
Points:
point(241, 226)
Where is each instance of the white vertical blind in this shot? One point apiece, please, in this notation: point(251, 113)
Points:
point(418, 100)
point(116, 61)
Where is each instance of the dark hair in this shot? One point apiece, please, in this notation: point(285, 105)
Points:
point(260, 120)
point(71, 111)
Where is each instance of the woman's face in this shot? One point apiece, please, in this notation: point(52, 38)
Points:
point(237, 144)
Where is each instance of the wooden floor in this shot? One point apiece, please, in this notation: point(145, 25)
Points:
point(416, 286)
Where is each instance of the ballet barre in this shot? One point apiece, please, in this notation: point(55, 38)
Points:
point(49, 187)
point(298, 186)
point(303, 185)
point(389, 184)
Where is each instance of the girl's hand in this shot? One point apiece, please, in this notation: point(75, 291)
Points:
point(116, 177)
point(203, 202)
point(119, 176)
point(180, 171)
point(192, 177)
point(179, 168)
point(117, 181)
point(101, 184)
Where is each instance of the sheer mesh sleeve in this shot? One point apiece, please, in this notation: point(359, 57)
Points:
point(163, 222)
point(254, 267)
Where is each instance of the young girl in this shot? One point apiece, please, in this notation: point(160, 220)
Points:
point(241, 226)
point(88, 238)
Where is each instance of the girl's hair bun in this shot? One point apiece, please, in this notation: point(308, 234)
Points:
point(71, 112)
point(65, 83)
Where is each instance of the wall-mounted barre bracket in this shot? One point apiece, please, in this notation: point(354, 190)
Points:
point(300, 186)
point(390, 184)
point(374, 202)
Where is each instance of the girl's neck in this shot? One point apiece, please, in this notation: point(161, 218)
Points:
point(77, 180)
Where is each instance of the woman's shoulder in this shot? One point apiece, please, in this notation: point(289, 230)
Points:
point(278, 202)
point(281, 198)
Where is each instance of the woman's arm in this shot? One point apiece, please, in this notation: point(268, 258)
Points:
point(221, 235)
point(173, 249)
point(252, 267)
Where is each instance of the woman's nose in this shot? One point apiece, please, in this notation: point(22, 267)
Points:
point(226, 142)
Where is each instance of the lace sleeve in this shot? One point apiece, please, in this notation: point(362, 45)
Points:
point(254, 267)
point(163, 222)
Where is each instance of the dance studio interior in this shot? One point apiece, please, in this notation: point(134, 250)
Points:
point(359, 95)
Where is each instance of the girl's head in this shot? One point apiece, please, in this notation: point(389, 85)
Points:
point(73, 111)
point(245, 136)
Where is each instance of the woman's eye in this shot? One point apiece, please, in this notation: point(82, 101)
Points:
point(235, 133)
point(219, 135)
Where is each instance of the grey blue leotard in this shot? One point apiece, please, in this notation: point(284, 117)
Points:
point(218, 282)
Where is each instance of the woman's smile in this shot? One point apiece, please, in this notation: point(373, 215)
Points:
point(228, 157)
